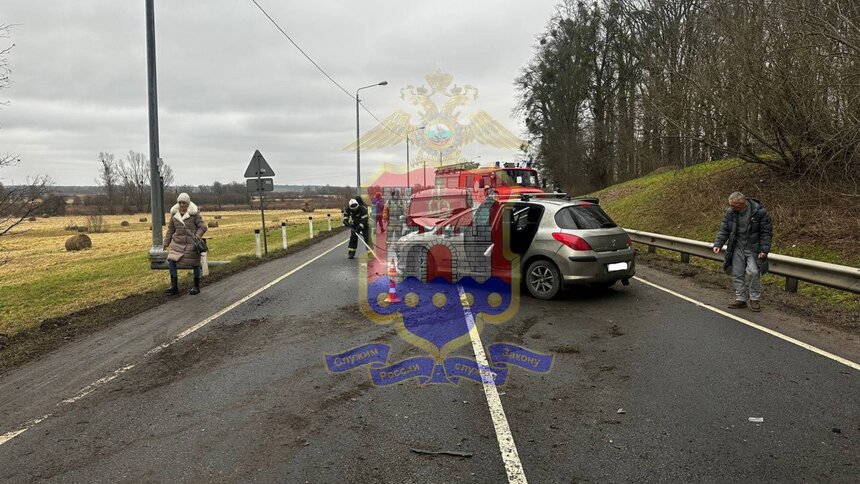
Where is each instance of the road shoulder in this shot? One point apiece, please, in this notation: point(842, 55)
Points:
point(35, 388)
point(817, 331)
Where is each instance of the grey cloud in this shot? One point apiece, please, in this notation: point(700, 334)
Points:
point(229, 83)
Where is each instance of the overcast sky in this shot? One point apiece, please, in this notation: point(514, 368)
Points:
point(230, 83)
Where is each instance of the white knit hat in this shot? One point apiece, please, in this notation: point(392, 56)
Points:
point(183, 197)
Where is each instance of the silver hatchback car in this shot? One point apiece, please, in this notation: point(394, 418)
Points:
point(568, 241)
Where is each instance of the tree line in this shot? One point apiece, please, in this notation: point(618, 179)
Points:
point(618, 88)
point(125, 187)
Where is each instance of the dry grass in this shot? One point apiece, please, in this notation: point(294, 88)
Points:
point(40, 279)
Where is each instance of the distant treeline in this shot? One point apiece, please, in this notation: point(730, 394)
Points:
point(618, 88)
point(124, 187)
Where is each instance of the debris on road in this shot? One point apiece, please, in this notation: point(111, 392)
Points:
point(621, 410)
point(455, 453)
point(836, 430)
point(756, 419)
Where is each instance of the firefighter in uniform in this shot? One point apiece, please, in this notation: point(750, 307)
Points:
point(355, 216)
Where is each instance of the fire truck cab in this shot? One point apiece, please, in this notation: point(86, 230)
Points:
point(506, 180)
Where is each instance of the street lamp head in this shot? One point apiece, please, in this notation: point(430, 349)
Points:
point(383, 83)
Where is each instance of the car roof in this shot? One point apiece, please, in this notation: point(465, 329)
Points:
point(559, 202)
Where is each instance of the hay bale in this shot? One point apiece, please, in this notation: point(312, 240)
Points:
point(142, 219)
point(212, 223)
point(124, 223)
point(32, 219)
point(78, 242)
point(83, 229)
point(71, 228)
point(217, 217)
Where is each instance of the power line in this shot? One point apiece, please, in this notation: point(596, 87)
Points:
point(300, 49)
point(323, 70)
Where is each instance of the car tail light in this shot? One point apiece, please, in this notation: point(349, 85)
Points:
point(629, 241)
point(572, 241)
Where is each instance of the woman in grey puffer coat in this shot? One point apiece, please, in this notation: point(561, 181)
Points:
point(185, 225)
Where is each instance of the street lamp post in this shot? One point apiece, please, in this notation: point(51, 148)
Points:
point(157, 254)
point(358, 135)
point(408, 185)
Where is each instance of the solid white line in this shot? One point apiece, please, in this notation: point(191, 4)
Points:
point(507, 446)
point(27, 426)
point(94, 385)
point(116, 373)
point(769, 331)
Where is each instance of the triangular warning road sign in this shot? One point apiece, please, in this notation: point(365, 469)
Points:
point(258, 167)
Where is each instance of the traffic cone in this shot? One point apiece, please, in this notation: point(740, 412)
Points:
point(392, 290)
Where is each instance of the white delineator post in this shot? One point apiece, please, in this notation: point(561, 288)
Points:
point(311, 226)
point(284, 234)
point(257, 240)
point(328, 216)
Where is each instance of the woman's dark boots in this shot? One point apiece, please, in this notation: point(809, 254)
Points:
point(174, 286)
point(196, 288)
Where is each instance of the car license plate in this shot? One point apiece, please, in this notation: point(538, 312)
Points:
point(617, 266)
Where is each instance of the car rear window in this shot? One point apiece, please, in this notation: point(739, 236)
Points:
point(584, 217)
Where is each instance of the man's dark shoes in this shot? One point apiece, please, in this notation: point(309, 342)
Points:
point(196, 289)
point(755, 306)
point(738, 305)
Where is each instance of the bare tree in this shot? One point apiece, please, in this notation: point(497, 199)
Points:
point(134, 173)
point(218, 191)
point(20, 202)
point(619, 87)
point(5, 71)
point(108, 178)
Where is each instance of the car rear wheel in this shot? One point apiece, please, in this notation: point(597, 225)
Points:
point(543, 280)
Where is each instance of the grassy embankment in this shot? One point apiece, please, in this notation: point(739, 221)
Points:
point(807, 222)
point(41, 280)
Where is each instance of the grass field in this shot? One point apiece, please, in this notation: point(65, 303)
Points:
point(808, 221)
point(41, 280)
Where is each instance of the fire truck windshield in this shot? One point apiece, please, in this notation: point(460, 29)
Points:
point(517, 177)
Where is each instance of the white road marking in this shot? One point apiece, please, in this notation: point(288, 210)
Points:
point(510, 456)
point(27, 426)
point(116, 373)
point(806, 346)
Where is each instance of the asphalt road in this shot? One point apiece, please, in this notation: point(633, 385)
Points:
point(247, 397)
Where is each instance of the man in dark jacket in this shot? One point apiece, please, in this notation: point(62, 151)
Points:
point(355, 217)
point(746, 228)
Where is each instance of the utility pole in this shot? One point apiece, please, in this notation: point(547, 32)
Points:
point(157, 254)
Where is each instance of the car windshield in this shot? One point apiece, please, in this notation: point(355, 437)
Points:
point(584, 217)
point(523, 178)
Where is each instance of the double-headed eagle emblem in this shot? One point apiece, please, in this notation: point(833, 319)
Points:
point(443, 135)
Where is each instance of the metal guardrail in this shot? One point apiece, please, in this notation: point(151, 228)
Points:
point(793, 268)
